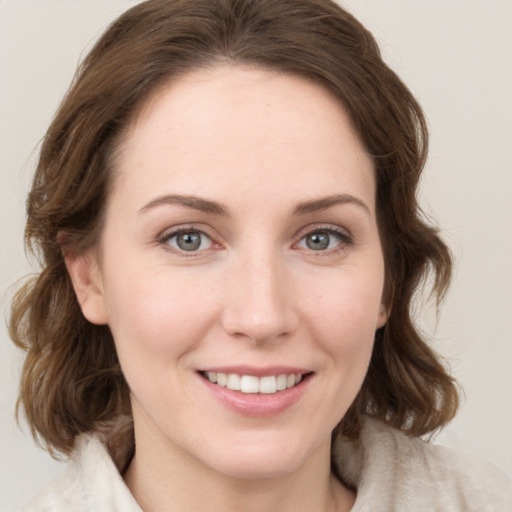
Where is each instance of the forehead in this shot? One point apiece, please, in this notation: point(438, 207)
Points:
point(242, 127)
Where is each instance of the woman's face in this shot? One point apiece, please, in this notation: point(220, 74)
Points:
point(241, 245)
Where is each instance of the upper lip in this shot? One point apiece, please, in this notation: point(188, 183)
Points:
point(257, 371)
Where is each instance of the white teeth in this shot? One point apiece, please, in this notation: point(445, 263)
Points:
point(268, 385)
point(233, 382)
point(222, 379)
point(250, 384)
point(212, 376)
point(281, 382)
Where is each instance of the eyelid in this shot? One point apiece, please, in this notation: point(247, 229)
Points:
point(169, 233)
point(344, 235)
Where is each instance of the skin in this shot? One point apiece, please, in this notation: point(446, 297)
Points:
point(260, 144)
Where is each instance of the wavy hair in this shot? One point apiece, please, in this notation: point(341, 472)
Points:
point(71, 378)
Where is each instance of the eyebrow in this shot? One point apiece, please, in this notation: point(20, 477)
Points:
point(215, 208)
point(324, 203)
point(196, 203)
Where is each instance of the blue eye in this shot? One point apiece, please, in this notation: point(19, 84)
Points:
point(323, 240)
point(189, 241)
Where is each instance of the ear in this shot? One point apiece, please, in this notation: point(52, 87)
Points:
point(383, 316)
point(85, 276)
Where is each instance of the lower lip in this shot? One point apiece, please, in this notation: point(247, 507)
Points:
point(258, 404)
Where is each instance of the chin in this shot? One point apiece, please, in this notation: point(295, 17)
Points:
point(280, 457)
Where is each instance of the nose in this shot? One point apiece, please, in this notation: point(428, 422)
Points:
point(259, 302)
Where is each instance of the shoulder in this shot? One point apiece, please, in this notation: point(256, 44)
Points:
point(92, 480)
point(405, 473)
point(63, 494)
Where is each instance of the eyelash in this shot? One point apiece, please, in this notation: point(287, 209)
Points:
point(345, 240)
point(169, 235)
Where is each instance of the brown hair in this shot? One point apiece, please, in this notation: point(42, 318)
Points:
point(71, 378)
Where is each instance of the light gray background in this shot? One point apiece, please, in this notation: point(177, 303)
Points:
point(455, 55)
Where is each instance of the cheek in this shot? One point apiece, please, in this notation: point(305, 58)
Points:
point(344, 316)
point(156, 315)
point(348, 301)
point(341, 321)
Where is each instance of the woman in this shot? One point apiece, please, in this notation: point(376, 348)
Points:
point(225, 207)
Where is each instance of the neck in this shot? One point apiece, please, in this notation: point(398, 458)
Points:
point(168, 480)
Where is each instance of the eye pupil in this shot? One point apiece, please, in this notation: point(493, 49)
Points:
point(189, 241)
point(318, 241)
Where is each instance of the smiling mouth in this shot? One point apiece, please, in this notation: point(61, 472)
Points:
point(251, 384)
